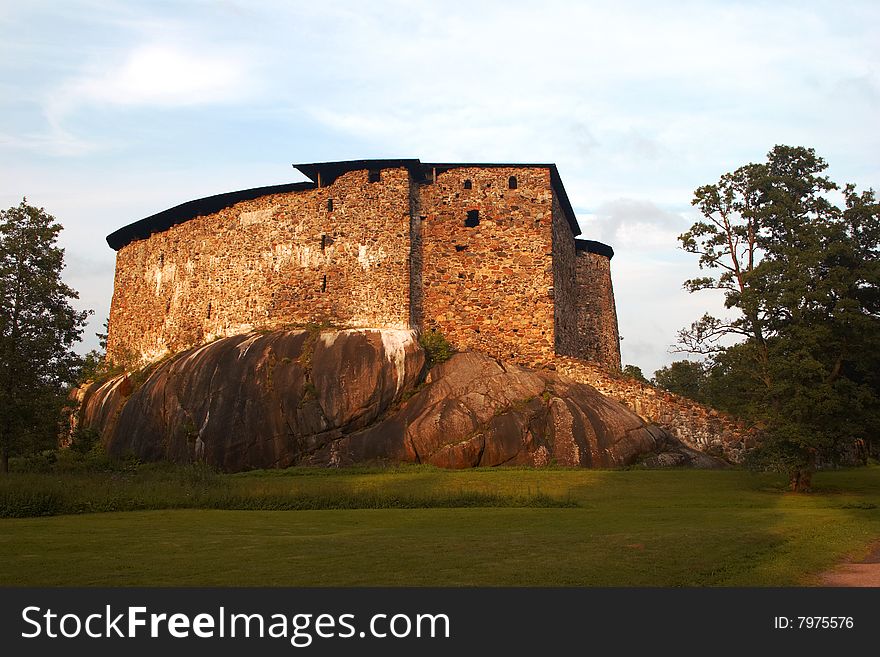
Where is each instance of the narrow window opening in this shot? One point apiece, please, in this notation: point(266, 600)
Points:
point(373, 175)
point(329, 205)
point(324, 284)
point(511, 182)
point(209, 311)
point(473, 219)
point(468, 184)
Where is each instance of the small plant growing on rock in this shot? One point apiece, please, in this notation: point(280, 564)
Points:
point(437, 348)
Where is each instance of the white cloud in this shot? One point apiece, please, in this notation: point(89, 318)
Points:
point(153, 76)
point(56, 141)
point(157, 76)
point(652, 307)
point(635, 225)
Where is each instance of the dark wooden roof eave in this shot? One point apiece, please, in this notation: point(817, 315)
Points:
point(592, 246)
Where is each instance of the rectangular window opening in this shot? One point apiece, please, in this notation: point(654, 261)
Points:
point(473, 219)
point(329, 205)
point(324, 283)
point(373, 176)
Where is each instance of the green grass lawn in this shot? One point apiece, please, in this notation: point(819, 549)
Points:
point(587, 528)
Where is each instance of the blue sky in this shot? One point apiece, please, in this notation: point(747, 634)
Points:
point(112, 111)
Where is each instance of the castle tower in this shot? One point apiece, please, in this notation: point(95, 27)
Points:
point(596, 315)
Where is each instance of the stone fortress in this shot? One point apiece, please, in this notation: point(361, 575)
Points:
point(485, 253)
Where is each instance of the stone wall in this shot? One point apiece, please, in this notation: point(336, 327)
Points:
point(488, 281)
point(275, 261)
point(596, 315)
point(491, 264)
point(696, 425)
point(565, 290)
point(416, 259)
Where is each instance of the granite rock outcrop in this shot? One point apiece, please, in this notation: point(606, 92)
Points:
point(345, 397)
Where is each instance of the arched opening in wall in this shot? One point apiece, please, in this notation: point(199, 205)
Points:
point(468, 184)
point(473, 219)
point(374, 176)
point(329, 205)
point(511, 182)
point(208, 314)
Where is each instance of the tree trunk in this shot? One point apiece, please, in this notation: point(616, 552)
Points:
point(800, 479)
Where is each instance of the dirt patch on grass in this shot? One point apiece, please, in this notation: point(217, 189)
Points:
point(865, 572)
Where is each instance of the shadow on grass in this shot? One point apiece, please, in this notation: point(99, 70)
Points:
point(195, 487)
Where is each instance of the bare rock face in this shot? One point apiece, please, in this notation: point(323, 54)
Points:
point(475, 411)
point(259, 400)
point(353, 396)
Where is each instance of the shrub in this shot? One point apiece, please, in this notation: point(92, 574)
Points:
point(84, 439)
point(437, 348)
point(30, 503)
point(42, 462)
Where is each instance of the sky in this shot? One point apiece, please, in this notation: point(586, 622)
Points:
point(113, 111)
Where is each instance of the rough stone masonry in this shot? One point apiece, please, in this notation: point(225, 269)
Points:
point(487, 254)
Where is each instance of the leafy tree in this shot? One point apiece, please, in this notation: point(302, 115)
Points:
point(37, 330)
point(684, 377)
point(634, 372)
point(802, 278)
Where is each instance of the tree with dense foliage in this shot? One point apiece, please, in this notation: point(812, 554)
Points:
point(801, 352)
point(38, 328)
point(683, 377)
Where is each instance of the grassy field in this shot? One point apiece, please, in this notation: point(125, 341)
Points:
point(422, 526)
